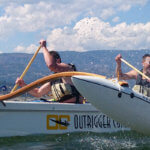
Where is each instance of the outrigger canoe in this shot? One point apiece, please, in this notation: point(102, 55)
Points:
point(19, 118)
point(116, 100)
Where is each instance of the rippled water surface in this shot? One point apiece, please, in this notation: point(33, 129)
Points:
point(113, 141)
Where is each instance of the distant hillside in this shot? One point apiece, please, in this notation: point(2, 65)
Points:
point(101, 62)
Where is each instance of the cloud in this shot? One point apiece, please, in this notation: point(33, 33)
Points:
point(78, 25)
point(95, 34)
point(107, 13)
point(116, 19)
point(124, 7)
point(19, 49)
point(31, 16)
point(64, 39)
point(30, 49)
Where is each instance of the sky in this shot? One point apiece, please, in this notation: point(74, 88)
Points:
point(74, 25)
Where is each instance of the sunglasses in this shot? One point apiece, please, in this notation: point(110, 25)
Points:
point(147, 61)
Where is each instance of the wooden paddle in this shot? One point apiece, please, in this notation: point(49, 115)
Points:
point(44, 80)
point(27, 68)
point(135, 69)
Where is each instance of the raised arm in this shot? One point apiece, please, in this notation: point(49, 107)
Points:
point(52, 63)
point(125, 76)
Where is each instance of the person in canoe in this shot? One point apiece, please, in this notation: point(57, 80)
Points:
point(62, 89)
point(142, 85)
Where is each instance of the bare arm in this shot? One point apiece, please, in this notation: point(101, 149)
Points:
point(43, 90)
point(51, 63)
point(37, 92)
point(49, 60)
point(125, 76)
point(129, 75)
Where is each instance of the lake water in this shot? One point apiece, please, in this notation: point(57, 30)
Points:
point(114, 141)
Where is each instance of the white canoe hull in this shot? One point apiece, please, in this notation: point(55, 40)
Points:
point(130, 111)
point(26, 118)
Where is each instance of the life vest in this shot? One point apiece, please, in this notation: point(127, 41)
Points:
point(142, 86)
point(63, 91)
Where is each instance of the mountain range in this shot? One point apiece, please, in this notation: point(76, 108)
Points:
point(100, 62)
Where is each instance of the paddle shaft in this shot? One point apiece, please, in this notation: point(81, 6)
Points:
point(27, 68)
point(135, 69)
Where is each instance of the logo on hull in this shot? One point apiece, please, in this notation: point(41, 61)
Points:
point(65, 123)
point(58, 122)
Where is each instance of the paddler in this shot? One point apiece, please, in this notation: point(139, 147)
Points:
point(62, 89)
point(142, 85)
